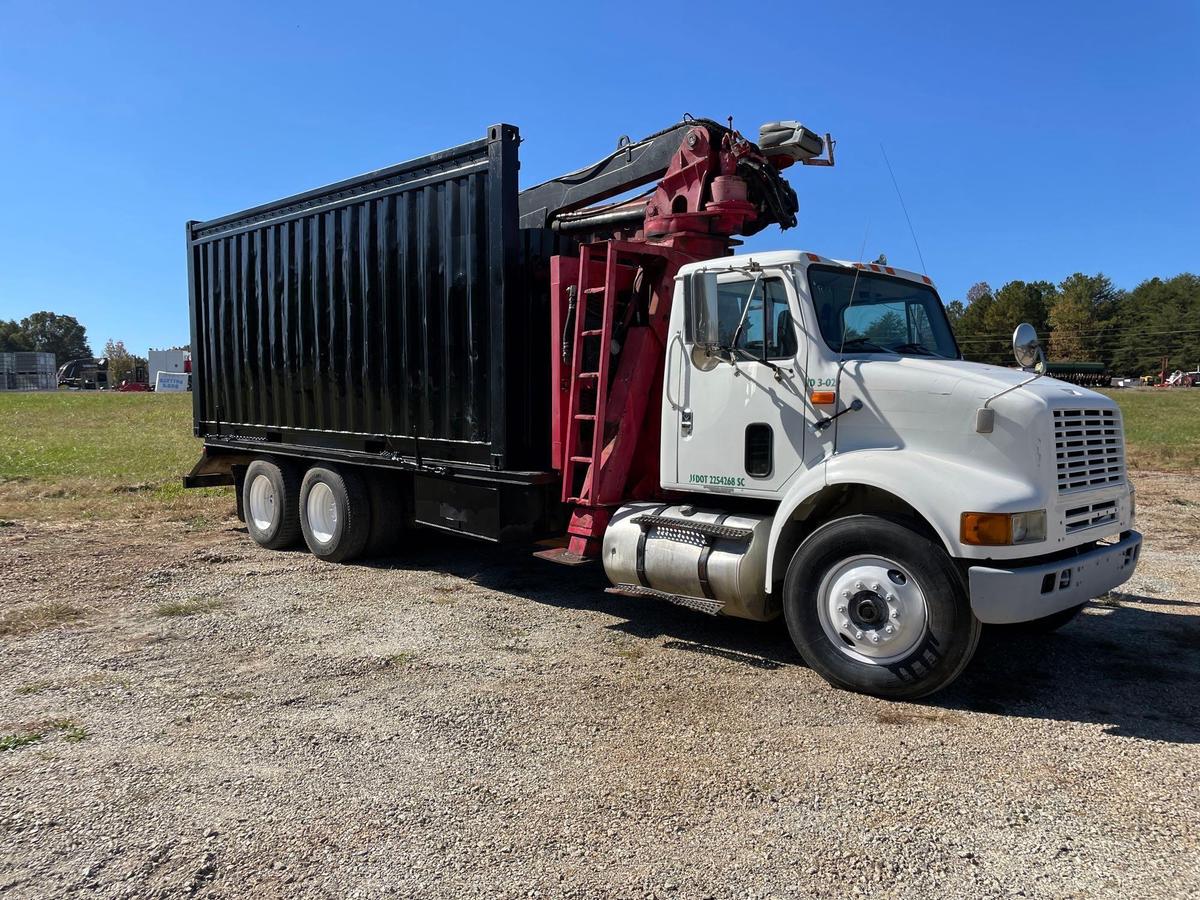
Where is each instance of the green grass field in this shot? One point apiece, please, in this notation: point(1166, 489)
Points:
point(100, 455)
point(1162, 428)
point(97, 455)
point(122, 438)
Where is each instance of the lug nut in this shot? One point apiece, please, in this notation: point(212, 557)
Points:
point(890, 629)
point(841, 609)
point(896, 614)
point(858, 585)
point(875, 639)
point(847, 595)
point(875, 587)
point(858, 635)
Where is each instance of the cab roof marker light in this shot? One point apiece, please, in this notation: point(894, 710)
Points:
point(812, 257)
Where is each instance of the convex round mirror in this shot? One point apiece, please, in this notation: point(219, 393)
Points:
point(1026, 347)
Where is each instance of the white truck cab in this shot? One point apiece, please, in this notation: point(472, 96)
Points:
point(836, 459)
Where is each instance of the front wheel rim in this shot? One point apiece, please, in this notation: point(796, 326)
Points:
point(262, 502)
point(322, 512)
point(872, 610)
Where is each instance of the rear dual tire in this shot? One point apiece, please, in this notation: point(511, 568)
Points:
point(270, 493)
point(334, 510)
point(335, 513)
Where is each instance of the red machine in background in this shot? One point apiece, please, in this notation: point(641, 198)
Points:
point(611, 303)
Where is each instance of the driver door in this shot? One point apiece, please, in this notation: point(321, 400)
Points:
point(739, 424)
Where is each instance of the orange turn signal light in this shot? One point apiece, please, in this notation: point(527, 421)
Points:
point(986, 529)
point(822, 398)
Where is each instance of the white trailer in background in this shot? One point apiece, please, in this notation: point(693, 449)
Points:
point(171, 362)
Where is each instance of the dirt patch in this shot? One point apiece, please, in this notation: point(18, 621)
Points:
point(464, 721)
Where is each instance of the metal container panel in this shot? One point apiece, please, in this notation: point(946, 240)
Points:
point(379, 314)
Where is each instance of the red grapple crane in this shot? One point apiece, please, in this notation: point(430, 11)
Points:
point(611, 303)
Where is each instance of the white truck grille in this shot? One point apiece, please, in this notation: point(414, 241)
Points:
point(1089, 448)
point(1091, 516)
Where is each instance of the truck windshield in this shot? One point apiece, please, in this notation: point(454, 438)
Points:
point(888, 315)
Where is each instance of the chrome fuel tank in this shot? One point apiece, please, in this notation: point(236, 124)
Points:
point(707, 559)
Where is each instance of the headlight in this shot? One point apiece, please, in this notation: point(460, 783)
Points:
point(1003, 529)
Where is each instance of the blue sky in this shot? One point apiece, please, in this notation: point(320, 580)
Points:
point(1029, 140)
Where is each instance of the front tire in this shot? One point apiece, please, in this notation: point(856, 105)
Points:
point(335, 513)
point(269, 496)
point(876, 608)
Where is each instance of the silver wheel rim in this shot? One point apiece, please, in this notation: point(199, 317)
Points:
point(262, 502)
point(322, 512)
point(872, 610)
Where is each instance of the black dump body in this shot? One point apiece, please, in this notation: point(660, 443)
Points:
point(398, 319)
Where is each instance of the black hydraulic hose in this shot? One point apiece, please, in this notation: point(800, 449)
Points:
point(580, 224)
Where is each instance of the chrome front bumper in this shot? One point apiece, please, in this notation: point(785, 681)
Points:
point(1025, 593)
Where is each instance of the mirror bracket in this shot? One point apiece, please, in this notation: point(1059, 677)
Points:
point(1028, 351)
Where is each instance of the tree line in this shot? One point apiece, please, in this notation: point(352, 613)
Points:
point(45, 332)
point(1085, 318)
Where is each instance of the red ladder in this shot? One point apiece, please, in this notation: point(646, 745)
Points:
point(589, 384)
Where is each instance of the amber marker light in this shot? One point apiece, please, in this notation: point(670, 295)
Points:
point(822, 398)
point(986, 529)
point(1002, 529)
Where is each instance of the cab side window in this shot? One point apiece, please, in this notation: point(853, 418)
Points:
point(767, 324)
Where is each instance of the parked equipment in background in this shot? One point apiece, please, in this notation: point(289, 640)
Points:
point(27, 371)
point(1087, 374)
point(752, 435)
point(1166, 377)
point(87, 374)
point(1181, 378)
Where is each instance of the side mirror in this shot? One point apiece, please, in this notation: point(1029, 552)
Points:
point(702, 306)
point(1026, 346)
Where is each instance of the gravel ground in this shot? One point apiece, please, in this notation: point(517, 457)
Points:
point(220, 720)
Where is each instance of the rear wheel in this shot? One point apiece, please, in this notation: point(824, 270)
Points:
point(877, 608)
point(270, 495)
point(335, 513)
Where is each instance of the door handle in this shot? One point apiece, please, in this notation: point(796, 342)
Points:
point(670, 371)
point(685, 423)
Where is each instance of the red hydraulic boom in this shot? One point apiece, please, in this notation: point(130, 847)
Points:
point(611, 303)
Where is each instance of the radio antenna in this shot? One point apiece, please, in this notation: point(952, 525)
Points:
point(900, 196)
